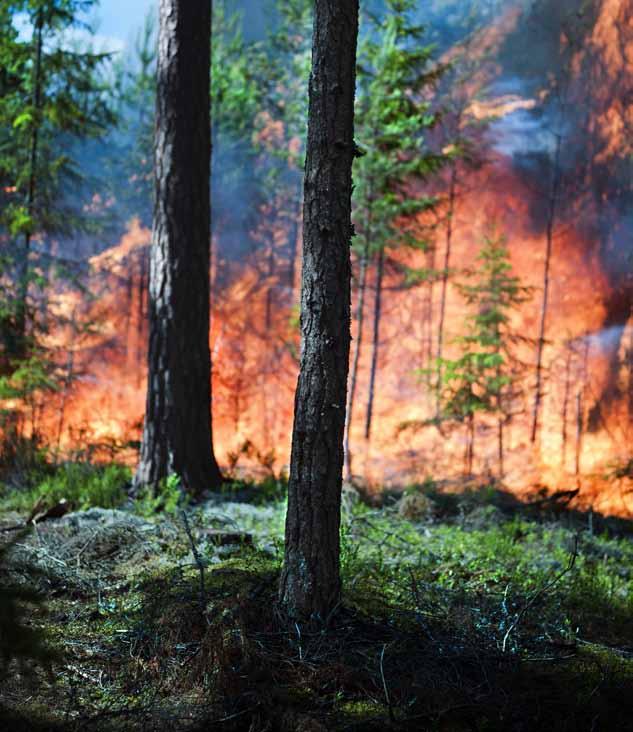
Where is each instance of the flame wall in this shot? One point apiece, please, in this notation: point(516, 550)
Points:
point(588, 356)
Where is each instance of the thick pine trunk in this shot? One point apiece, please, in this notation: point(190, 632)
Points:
point(310, 581)
point(177, 436)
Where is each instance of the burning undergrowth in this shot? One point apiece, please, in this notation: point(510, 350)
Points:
point(551, 134)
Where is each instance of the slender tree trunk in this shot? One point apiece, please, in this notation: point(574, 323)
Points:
point(580, 412)
point(579, 426)
point(630, 373)
point(551, 220)
point(177, 437)
point(310, 580)
point(23, 271)
point(445, 270)
point(500, 422)
point(565, 411)
point(68, 379)
point(268, 318)
point(142, 314)
point(351, 392)
point(428, 313)
point(293, 238)
point(471, 452)
point(375, 345)
point(500, 448)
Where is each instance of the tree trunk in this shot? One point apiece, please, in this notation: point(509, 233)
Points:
point(177, 437)
point(141, 315)
point(23, 270)
point(470, 445)
point(375, 346)
point(310, 581)
point(427, 316)
point(565, 410)
point(351, 392)
point(447, 260)
point(293, 237)
point(551, 219)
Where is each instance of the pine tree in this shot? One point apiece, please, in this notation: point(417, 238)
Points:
point(177, 437)
point(53, 98)
point(53, 95)
point(288, 65)
point(484, 377)
point(310, 581)
point(395, 73)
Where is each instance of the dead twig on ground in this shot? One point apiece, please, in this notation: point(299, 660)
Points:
point(539, 593)
point(198, 560)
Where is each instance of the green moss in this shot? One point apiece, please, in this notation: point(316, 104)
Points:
point(83, 485)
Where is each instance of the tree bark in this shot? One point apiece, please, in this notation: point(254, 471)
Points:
point(310, 581)
point(177, 437)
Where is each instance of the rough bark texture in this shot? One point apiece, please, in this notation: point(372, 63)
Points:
point(310, 581)
point(177, 433)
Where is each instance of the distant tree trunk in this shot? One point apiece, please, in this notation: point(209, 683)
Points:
point(270, 295)
point(469, 456)
point(445, 270)
point(141, 314)
point(500, 447)
point(310, 580)
point(351, 392)
point(177, 437)
point(427, 316)
point(580, 410)
point(293, 237)
point(375, 345)
point(23, 270)
point(565, 410)
point(629, 359)
point(579, 426)
point(551, 220)
point(500, 422)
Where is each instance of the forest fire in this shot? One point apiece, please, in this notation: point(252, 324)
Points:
point(316, 381)
point(586, 408)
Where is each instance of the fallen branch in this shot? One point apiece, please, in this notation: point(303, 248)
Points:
point(384, 685)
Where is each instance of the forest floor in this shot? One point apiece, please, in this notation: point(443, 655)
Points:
point(459, 612)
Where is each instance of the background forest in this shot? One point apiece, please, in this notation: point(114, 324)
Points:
point(494, 146)
point(488, 472)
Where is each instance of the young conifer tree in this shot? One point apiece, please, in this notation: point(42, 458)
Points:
point(484, 377)
point(51, 96)
point(395, 73)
